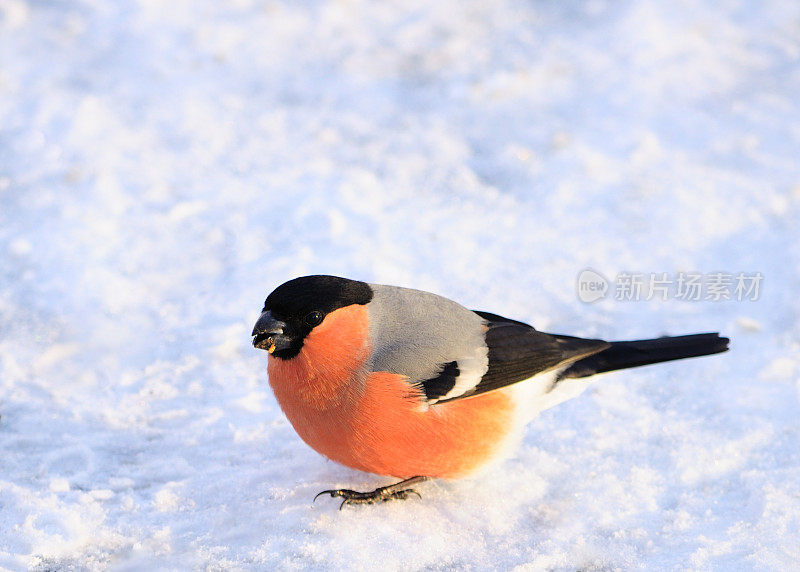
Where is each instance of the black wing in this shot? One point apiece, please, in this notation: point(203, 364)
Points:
point(436, 387)
point(517, 352)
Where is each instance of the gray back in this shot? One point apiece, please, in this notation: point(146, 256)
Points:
point(415, 333)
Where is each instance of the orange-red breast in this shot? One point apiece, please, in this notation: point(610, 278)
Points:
point(409, 384)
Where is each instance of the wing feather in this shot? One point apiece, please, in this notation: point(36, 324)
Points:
point(517, 352)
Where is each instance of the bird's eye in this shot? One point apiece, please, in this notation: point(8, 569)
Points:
point(313, 318)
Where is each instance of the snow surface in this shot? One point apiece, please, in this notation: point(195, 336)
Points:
point(164, 165)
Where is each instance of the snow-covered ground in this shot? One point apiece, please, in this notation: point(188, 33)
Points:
point(164, 165)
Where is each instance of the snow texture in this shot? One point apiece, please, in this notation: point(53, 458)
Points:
point(165, 165)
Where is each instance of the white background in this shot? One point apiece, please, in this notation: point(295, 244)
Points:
point(165, 165)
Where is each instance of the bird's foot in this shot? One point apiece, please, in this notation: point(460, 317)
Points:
point(382, 494)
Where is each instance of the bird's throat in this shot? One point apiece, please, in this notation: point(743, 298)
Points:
point(328, 369)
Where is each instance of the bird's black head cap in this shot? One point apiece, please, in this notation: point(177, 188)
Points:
point(302, 304)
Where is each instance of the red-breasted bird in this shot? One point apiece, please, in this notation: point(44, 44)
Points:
point(408, 384)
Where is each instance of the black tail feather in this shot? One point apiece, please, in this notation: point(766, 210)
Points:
point(622, 355)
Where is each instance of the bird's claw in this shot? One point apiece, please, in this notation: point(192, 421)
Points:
point(382, 494)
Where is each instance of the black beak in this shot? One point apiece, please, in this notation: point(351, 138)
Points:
point(270, 333)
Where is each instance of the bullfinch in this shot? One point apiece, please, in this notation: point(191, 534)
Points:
point(408, 384)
